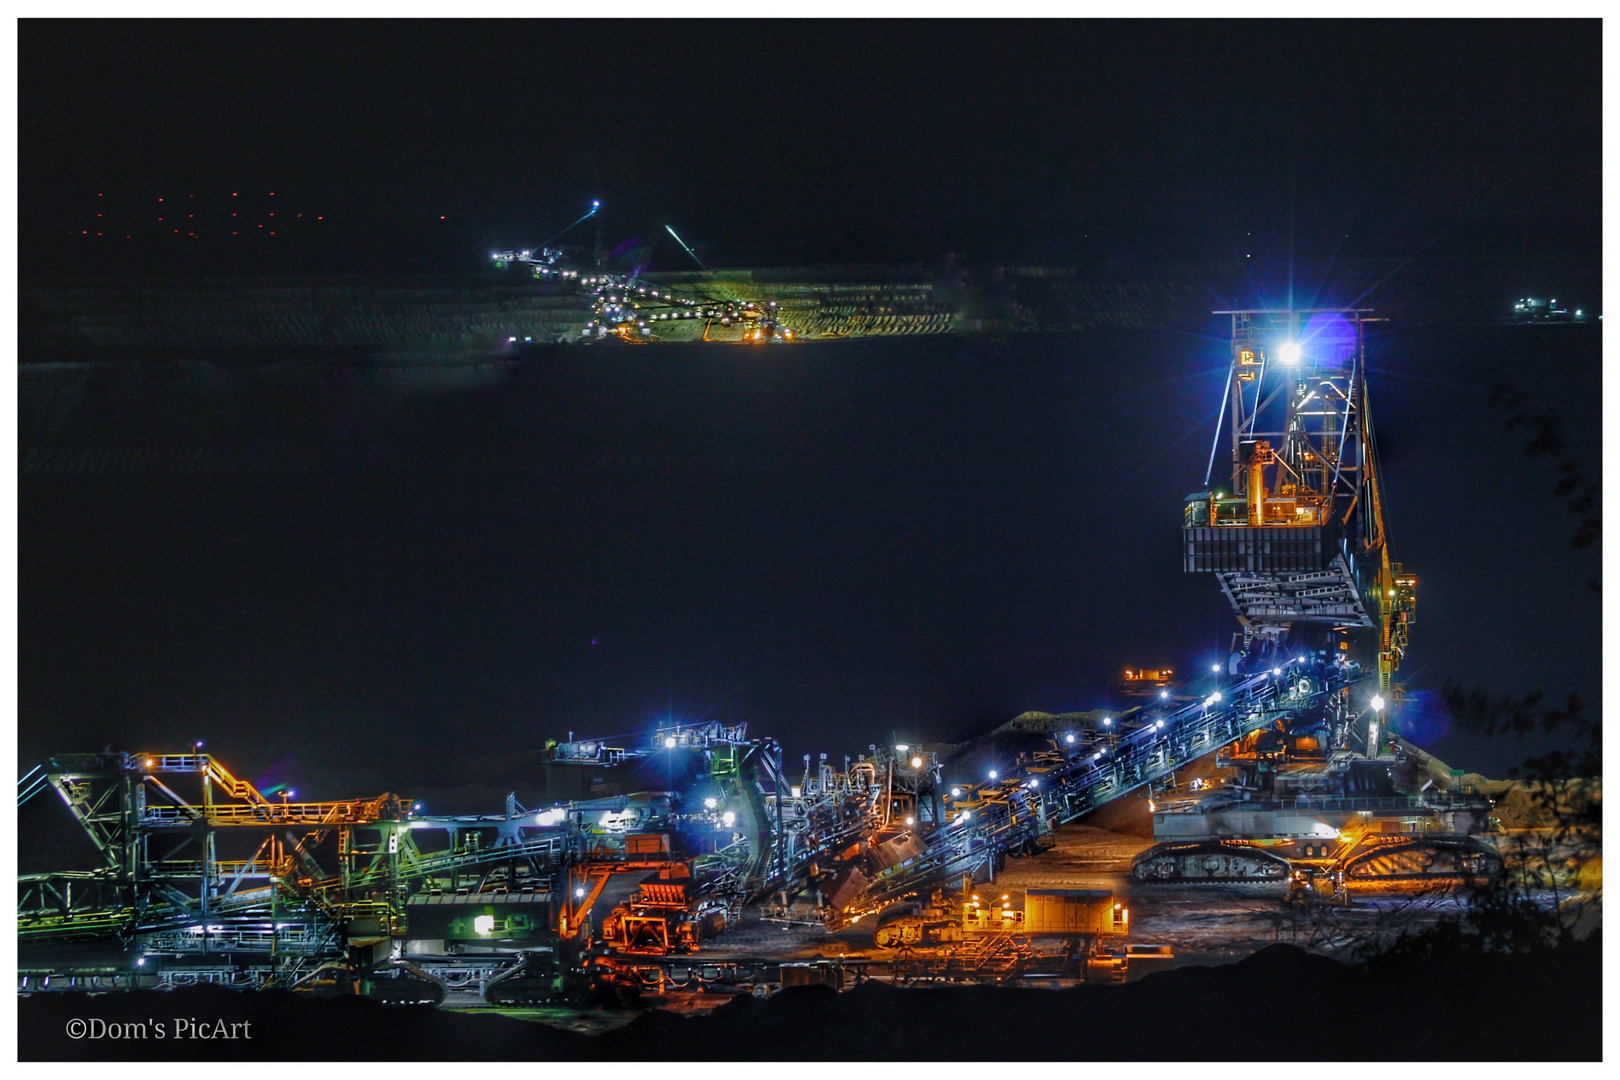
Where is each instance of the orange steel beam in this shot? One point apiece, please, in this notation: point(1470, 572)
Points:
point(573, 917)
point(253, 807)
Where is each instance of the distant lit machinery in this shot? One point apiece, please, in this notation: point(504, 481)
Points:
point(1531, 310)
point(546, 261)
point(627, 307)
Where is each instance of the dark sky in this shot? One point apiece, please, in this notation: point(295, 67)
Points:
point(855, 540)
point(780, 142)
point(839, 543)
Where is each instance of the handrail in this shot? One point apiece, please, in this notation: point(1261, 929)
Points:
point(32, 784)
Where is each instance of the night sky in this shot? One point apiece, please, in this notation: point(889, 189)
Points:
point(784, 142)
point(838, 543)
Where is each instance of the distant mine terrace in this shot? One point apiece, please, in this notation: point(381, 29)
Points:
point(509, 306)
point(531, 298)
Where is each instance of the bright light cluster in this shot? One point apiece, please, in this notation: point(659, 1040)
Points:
point(628, 308)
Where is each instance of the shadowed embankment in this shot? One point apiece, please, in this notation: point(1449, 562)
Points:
point(1279, 1004)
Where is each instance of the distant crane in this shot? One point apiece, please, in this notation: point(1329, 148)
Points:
point(686, 249)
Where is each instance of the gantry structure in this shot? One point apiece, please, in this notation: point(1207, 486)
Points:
point(1292, 518)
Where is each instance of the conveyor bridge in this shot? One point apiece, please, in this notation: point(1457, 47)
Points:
point(1038, 800)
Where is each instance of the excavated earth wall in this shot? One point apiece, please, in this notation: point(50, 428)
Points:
point(485, 310)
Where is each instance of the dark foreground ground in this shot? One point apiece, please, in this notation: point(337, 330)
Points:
point(1279, 1004)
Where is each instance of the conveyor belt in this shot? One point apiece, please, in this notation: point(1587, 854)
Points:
point(1086, 783)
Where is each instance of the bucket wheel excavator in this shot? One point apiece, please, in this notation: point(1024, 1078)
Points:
point(1291, 524)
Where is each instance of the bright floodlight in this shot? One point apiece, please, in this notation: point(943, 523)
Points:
point(1070, 738)
point(1164, 693)
point(1378, 701)
point(729, 818)
point(596, 202)
point(1214, 669)
point(483, 924)
point(1289, 352)
point(580, 893)
point(669, 742)
point(710, 803)
point(916, 763)
point(1034, 783)
point(992, 774)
